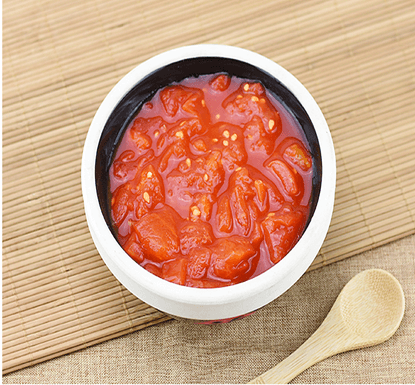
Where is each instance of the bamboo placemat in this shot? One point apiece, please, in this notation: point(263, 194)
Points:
point(60, 59)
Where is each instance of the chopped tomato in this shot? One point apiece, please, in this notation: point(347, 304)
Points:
point(249, 101)
point(299, 156)
point(158, 235)
point(286, 175)
point(122, 202)
point(133, 248)
point(257, 235)
point(146, 126)
point(189, 100)
point(261, 192)
point(281, 231)
point(124, 165)
point(148, 190)
point(194, 234)
point(240, 210)
point(173, 97)
point(153, 269)
point(224, 216)
point(175, 271)
point(208, 182)
point(199, 261)
point(220, 82)
point(258, 140)
point(230, 256)
point(201, 207)
point(203, 175)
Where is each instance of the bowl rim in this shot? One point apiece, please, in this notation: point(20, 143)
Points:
point(132, 275)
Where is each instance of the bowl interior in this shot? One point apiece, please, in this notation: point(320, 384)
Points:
point(144, 90)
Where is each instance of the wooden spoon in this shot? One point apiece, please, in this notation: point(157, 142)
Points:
point(367, 312)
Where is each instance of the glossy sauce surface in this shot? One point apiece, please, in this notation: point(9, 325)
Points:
point(211, 183)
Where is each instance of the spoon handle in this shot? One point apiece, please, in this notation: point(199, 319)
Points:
point(326, 341)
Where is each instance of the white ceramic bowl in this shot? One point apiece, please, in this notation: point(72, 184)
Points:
point(122, 103)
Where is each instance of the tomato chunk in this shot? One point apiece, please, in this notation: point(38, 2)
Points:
point(142, 141)
point(286, 175)
point(122, 202)
point(158, 234)
point(200, 145)
point(257, 138)
point(133, 248)
point(172, 98)
point(199, 262)
point(190, 127)
point(257, 235)
point(190, 100)
point(229, 141)
point(148, 190)
point(204, 174)
point(242, 178)
point(153, 269)
point(194, 234)
point(175, 271)
point(220, 82)
point(146, 126)
point(238, 207)
point(299, 156)
point(230, 256)
point(123, 166)
point(201, 207)
point(261, 190)
point(195, 105)
point(250, 100)
point(240, 210)
point(224, 216)
point(281, 232)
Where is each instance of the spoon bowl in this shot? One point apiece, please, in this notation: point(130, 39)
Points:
point(367, 312)
point(372, 305)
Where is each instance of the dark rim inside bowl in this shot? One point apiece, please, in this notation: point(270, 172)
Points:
point(142, 92)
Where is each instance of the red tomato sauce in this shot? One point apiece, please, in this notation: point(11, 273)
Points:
point(211, 182)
